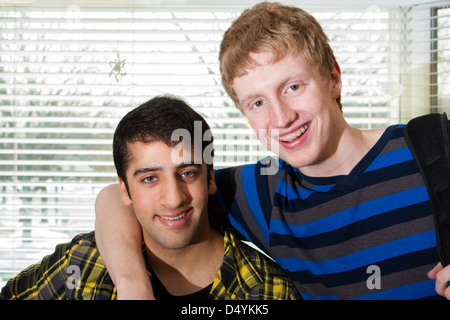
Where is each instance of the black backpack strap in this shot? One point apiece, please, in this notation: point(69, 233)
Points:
point(427, 137)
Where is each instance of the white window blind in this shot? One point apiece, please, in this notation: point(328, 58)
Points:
point(425, 73)
point(69, 73)
point(440, 81)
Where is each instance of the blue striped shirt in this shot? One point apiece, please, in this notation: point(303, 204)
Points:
point(366, 235)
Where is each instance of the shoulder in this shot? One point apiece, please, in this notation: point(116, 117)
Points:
point(249, 181)
point(83, 250)
point(254, 258)
point(85, 254)
point(88, 277)
point(266, 167)
point(84, 242)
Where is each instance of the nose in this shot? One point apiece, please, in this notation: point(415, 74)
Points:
point(281, 113)
point(174, 194)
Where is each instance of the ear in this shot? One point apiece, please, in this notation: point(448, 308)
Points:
point(335, 81)
point(212, 188)
point(125, 199)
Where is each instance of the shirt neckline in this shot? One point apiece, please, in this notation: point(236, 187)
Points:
point(350, 179)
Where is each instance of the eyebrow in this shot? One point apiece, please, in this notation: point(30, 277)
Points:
point(153, 168)
point(284, 82)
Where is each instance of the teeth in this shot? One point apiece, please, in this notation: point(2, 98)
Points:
point(175, 218)
point(296, 134)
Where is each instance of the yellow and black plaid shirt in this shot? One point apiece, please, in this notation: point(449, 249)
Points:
point(76, 271)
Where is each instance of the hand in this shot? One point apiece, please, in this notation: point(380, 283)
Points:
point(442, 277)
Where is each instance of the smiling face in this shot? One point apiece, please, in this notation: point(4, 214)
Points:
point(169, 199)
point(292, 108)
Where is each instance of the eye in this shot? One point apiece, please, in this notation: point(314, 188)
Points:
point(257, 104)
point(188, 174)
point(294, 87)
point(149, 179)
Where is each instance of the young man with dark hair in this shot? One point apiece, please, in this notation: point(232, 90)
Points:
point(166, 177)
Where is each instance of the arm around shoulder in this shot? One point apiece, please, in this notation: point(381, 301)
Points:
point(118, 237)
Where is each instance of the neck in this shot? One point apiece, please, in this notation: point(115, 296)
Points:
point(190, 269)
point(351, 146)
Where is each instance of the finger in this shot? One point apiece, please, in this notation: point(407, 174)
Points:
point(442, 279)
point(447, 293)
point(432, 273)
